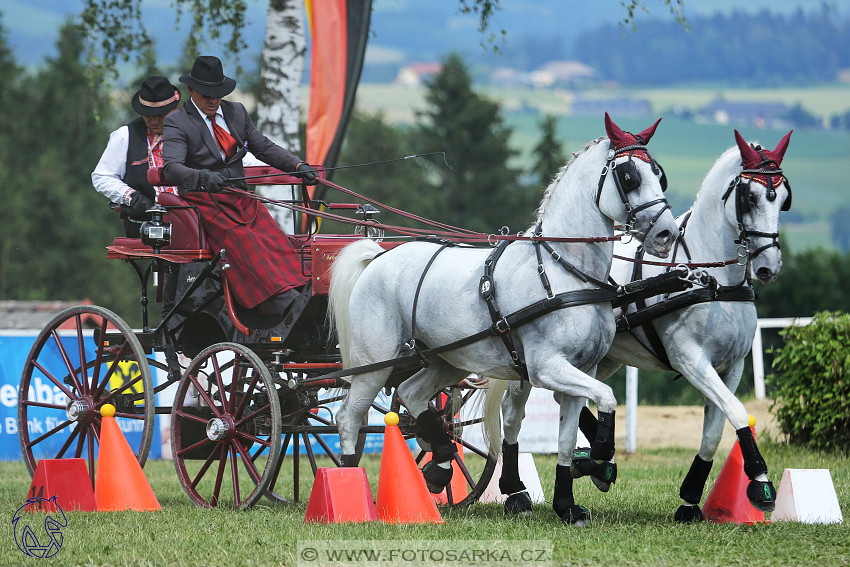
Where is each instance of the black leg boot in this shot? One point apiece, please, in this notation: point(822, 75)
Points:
point(691, 492)
point(563, 502)
point(432, 429)
point(518, 500)
point(761, 494)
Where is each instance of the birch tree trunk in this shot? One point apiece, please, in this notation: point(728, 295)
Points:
point(279, 106)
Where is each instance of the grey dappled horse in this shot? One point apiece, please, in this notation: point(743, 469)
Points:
point(375, 298)
point(736, 214)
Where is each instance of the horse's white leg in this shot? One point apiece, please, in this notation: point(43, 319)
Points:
point(720, 401)
point(563, 501)
point(415, 393)
point(354, 410)
point(557, 374)
point(518, 500)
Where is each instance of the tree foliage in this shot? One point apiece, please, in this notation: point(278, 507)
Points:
point(549, 155)
point(481, 190)
point(54, 225)
point(764, 49)
point(811, 385)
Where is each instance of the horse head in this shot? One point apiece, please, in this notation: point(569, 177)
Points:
point(761, 191)
point(634, 194)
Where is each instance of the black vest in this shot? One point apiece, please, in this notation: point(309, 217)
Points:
point(136, 176)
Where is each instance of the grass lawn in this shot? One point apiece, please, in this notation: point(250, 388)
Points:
point(632, 524)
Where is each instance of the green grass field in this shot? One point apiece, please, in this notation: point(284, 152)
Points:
point(632, 524)
point(815, 163)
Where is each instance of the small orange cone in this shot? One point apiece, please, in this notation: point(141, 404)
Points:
point(403, 497)
point(727, 502)
point(120, 483)
point(340, 495)
point(67, 479)
point(458, 484)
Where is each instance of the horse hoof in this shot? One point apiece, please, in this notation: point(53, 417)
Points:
point(519, 503)
point(436, 477)
point(761, 495)
point(575, 515)
point(688, 514)
point(604, 476)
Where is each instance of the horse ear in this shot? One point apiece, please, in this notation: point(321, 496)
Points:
point(749, 157)
point(782, 146)
point(615, 134)
point(647, 134)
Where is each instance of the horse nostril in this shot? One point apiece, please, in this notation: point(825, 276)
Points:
point(765, 275)
point(664, 236)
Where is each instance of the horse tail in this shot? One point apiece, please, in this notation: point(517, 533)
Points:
point(345, 271)
point(493, 415)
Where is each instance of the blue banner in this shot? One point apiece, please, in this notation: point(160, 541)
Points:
point(14, 349)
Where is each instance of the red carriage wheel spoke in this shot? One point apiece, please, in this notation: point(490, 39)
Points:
point(62, 425)
point(67, 443)
point(198, 445)
point(193, 417)
point(206, 464)
point(83, 388)
point(203, 394)
point(244, 400)
point(234, 474)
point(81, 439)
point(98, 356)
point(43, 405)
point(81, 347)
point(253, 439)
point(254, 414)
point(119, 356)
point(220, 381)
point(246, 460)
point(60, 385)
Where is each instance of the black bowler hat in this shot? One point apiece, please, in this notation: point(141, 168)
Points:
point(156, 97)
point(208, 78)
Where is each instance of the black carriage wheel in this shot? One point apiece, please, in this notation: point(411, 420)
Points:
point(308, 431)
point(226, 428)
point(84, 357)
point(461, 406)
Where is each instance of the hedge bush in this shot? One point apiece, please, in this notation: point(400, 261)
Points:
point(811, 386)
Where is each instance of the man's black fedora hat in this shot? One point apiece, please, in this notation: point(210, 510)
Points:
point(207, 77)
point(156, 97)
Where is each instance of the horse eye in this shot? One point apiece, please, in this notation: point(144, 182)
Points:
point(753, 200)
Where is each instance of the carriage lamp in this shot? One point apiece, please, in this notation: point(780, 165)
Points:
point(156, 233)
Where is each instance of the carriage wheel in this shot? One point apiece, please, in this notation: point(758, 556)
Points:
point(84, 358)
point(461, 408)
point(309, 432)
point(226, 428)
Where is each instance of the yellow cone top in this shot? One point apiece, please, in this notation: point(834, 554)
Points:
point(751, 421)
point(107, 410)
point(391, 418)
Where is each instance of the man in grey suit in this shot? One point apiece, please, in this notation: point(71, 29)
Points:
point(203, 144)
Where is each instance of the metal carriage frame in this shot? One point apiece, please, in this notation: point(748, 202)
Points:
point(246, 399)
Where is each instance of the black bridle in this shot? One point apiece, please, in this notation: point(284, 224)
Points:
point(769, 169)
point(627, 180)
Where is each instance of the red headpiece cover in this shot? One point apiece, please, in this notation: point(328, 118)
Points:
point(621, 139)
point(750, 158)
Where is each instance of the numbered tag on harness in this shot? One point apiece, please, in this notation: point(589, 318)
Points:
point(485, 288)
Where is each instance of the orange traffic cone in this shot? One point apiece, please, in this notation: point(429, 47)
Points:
point(727, 502)
point(120, 483)
point(458, 484)
point(403, 497)
point(340, 495)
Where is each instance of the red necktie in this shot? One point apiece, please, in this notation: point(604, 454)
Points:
point(225, 141)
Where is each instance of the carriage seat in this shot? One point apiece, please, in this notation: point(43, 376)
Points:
point(187, 236)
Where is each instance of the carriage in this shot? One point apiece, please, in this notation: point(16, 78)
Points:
point(249, 399)
point(254, 392)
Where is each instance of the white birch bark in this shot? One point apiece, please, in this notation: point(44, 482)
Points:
point(279, 106)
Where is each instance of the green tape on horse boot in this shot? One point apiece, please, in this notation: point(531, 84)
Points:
point(754, 464)
point(761, 495)
point(437, 478)
point(602, 446)
point(694, 483)
point(519, 503)
point(510, 482)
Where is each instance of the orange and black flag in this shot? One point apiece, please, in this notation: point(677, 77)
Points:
point(339, 30)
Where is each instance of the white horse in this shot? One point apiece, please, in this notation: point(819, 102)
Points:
point(736, 214)
point(423, 293)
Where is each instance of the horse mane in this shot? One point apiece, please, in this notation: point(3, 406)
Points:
point(541, 208)
point(711, 184)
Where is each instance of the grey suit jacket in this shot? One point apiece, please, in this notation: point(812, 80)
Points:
point(189, 146)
